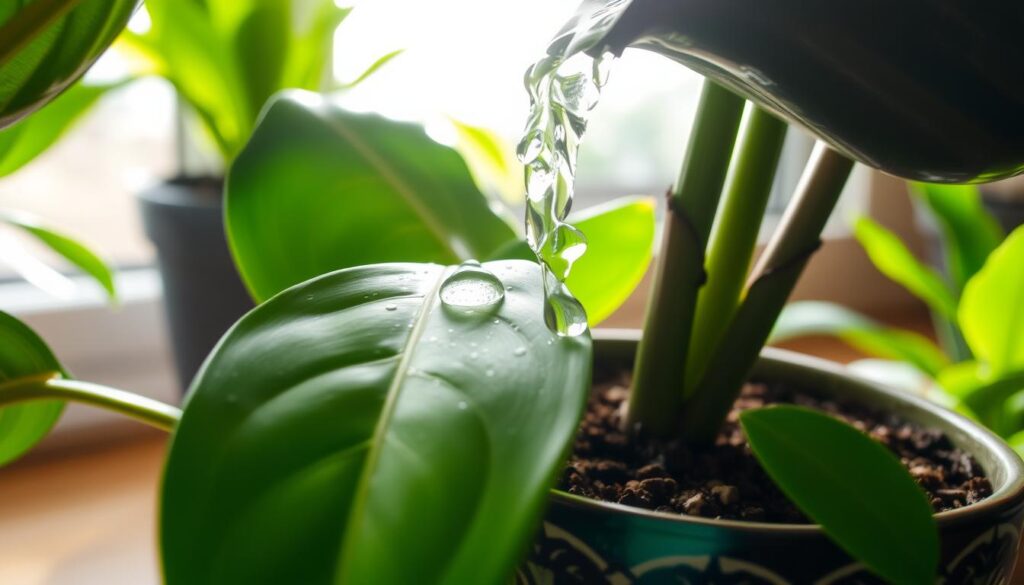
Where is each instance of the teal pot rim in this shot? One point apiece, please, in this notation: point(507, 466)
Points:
point(1002, 465)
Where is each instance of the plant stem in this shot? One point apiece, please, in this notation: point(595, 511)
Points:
point(51, 386)
point(796, 238)
point(660, 363)
point(735, 236)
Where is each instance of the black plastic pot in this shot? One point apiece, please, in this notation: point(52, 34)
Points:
point(585, 541)
point(203, 292)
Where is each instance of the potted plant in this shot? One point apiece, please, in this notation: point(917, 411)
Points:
point(224, 60)
point(425, 408)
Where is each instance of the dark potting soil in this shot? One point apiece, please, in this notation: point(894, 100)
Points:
point(725, 480)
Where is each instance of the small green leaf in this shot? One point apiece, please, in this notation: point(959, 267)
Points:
point(261, 44)
point(969, 233)
point(894, 260)
point(991, 312)
point(355, 417)
point(373, 68)
point(852, 486)
point(1017, 442)
point(24, 354)
point(620, 240)
point(68, 248)
point(985, 393)
point(319, 188)
point(311, 47)
point(492, 161)
point(804, 318)
point(48, 44)
point(24, 141)
point(198, 57)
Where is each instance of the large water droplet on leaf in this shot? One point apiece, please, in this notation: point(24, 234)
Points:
point(471, 287)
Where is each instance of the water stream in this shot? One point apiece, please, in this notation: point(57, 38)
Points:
point(564, 87)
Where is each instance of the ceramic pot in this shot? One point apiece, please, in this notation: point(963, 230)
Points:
point(586, 541)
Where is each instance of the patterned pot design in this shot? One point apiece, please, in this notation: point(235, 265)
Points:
point(584, 541)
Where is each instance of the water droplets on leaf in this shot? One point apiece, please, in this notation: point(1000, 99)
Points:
point(471, 287)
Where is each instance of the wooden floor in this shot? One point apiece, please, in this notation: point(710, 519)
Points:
point(88, 518)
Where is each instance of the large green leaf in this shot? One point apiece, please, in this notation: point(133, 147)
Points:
point(991, 312)
point(24, 141)
point(969, 233)
point(24, 354)
point(893, 259)
point(355, 429)
point(319, 188)
point(854, 487)
point(822, 318)
point(67, 247)
point(45, 45)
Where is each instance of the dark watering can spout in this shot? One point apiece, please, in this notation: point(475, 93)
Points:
point(930, 90)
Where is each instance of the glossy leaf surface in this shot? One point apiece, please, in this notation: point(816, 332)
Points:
point(355, 416)
point(823, 318)
point(893, 259)
point(45, 45)
point(68, 248)
point(850, 484)
point(991, 313)
point(23, 354)
point(319, 188)
point(969, 233)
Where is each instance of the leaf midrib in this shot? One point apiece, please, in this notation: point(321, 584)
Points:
point(383, 424)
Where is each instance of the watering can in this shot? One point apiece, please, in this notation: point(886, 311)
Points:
point(931, 90)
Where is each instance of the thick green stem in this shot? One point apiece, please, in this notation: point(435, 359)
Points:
point(51, 386)
point(735, 236)
point(659, 373)
point(796, 238)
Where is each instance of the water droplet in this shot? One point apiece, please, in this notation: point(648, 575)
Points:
point(497, 321)
point(433, 339)
point(462, 405)
point(471, 287)
point(520, 351)
point(473, 355)
point(489, 373)
point(391, 307)
point(564, 314)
